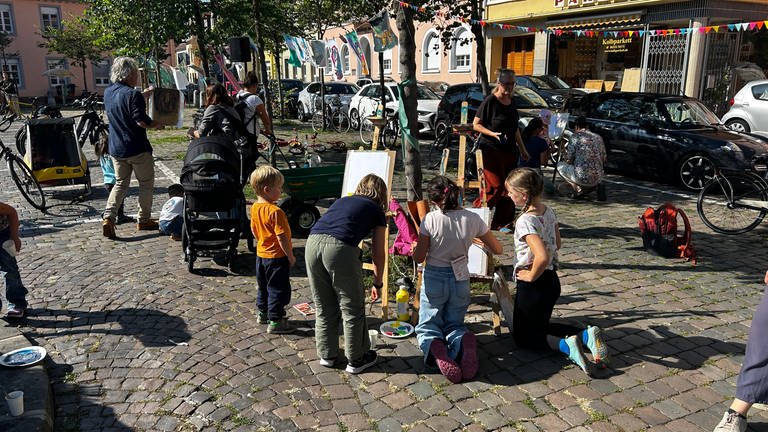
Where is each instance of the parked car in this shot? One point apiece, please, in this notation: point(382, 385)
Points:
point(555, 95)
point(528, 103)
point(439, 87)
point(365, 102)
point(675, 138)
point(308, 97)
point(291, 89)
point(749, 108)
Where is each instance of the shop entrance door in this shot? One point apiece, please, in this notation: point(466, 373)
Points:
point(721, 53)
point(665, 64)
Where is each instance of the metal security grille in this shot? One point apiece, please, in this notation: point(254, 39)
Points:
point(665, 68)
point(721, 53)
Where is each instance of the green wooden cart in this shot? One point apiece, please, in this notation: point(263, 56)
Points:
point(304, 187)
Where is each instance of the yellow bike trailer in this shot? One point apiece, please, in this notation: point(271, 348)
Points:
point(54, 155)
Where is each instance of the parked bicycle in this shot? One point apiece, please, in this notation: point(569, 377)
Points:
point(23, 177)
point(335, 117)
point(737, 202)
point(388, 135)
point(12, 111)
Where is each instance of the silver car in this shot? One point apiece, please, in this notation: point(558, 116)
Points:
point(749, 108)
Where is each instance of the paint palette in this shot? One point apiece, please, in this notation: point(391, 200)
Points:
point(23, 356)
point(396, 329)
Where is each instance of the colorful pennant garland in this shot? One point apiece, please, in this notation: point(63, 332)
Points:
point(743, 26)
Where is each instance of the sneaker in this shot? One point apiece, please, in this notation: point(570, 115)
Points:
point(367, 360)
point(122, 219)
point(447, 365)
point(108, 228)
point(576, 354)
point(596, 346)
point(176, 237)
point(327, 362)
point(262, 318)
point(150, 225)
point(731, 422)
point(469, 361)
point(280, 326)
point(16, 312)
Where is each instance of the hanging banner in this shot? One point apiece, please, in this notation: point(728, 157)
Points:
point(305, 53)
point(293, 51)
point(338, 73)
point(354, 44)
point(383, 36)
point(319, 57)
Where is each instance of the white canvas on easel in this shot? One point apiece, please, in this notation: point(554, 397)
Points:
point(363, 162)
point(478, 258)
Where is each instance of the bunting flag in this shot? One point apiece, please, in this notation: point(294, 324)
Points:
point(293, 51)
point(305, 53)
point(354, 44)
point(383, 36)
point(319, 57)
point(744, 26)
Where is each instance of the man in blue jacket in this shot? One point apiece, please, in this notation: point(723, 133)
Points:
point(128, 143)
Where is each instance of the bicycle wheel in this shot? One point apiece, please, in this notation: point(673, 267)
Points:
point(734, 204)
point(317, 121)
point(340, 121)
point(391, 134)
point(21, 140)
point(436, 149)
point(26, 182)
point(366, 131)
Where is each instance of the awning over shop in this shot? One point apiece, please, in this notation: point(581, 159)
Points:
point(596, 21)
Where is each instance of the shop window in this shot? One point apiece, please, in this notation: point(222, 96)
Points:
point(387, 62)
point(56, 64)
point(430, 61)
point(49, 17)
point(6, 19)
point(461, 51)
point(101, 73)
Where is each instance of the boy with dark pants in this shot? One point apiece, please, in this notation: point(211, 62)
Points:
point(274, 251)
point(10, 243)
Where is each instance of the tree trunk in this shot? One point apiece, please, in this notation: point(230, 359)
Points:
point(479, 33)
point(85, 81)
point(200, 31)
point(411, 154)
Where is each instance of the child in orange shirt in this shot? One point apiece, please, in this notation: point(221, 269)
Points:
point(274, 251)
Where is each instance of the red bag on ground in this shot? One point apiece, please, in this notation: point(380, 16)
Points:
point(659, 230)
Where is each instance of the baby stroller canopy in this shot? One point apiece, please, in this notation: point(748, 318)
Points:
point(211, 174)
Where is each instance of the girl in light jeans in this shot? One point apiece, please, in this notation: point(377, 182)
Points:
point(444, 240)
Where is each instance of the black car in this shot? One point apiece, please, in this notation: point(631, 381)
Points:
point(671, 137)
point(291, 89)
point(449, 110)
point(555, 95)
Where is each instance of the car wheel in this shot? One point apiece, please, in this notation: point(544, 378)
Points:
point(301, 112)
point(738, 125)
point(696, 171)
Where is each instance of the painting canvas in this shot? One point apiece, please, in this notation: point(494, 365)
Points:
point(363, 162)
point(478, 258)
point(166, 106)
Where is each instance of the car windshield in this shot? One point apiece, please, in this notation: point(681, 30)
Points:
point(556, 82)
point(689, 114)
point(422, 92)
point(342, 89)
point(527, 98)
point(540, 83)
point(292, 85)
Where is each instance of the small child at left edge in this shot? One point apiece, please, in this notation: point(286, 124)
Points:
point(15, 292)
point(171, 221)
point(274, 250)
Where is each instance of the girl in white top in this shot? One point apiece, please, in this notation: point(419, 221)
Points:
point(537, 239)
point(446, 235)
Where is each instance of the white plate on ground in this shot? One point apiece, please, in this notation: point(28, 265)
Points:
point(23, 356)
point(396, 329)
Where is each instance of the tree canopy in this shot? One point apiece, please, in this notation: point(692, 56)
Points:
point(76, 41)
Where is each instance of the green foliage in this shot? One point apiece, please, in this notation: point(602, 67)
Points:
point(75, 40)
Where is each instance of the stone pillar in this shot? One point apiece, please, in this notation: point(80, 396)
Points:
point(695, 66)
point(540, 53)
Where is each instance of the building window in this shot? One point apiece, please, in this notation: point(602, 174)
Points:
point(6, 20)
point(101, 73)
point(430, 52)
point(56, 65)
point(345, 59)
point(387, 62)
point(12, 65)
point(49, 17)
point(461, 51)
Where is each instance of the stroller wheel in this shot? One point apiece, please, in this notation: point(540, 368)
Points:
point(231, 259)
point(190, 263)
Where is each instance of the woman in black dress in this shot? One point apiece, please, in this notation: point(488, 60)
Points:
point(502, 145)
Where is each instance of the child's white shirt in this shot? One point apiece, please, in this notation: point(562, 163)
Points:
point(450, 234)
point(172, 208)
point(545, 226)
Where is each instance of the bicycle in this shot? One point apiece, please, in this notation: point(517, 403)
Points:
point(335, 117)
point(388, 135)
point(735, 203)
point(11, 110)
point(23, 178)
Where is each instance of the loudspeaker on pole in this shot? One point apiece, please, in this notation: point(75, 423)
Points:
point(239, 49)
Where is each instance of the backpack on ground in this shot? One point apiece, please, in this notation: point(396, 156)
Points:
point(659, 230)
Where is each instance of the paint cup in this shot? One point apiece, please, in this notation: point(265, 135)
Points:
point(15, 400)
point(373, 335)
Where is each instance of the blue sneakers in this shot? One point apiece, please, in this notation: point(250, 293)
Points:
point(575, 353)
point(595, 345)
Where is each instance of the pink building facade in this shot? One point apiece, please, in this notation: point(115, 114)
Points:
point(29, 64)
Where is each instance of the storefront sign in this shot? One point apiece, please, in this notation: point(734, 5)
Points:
point(559, 4)
point(616, 45)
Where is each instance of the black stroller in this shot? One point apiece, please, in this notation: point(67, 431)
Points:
point(214, 204)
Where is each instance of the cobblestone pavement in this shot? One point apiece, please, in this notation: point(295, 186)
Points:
point(138, 343)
